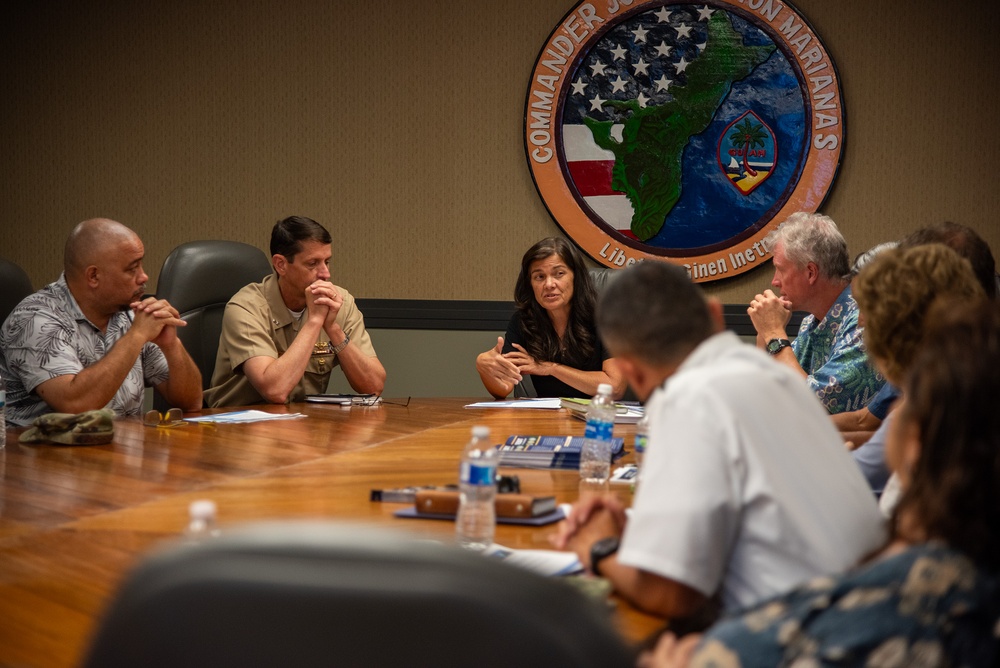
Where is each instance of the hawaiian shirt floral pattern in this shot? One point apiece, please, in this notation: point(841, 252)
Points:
point(832, 353)
point(47, 336)
point(927, 606)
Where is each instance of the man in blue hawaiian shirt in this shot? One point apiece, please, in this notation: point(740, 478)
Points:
point(812, 274)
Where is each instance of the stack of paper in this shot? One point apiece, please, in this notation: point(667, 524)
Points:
point(624, 413)
point(518, 403)
point(244, 416)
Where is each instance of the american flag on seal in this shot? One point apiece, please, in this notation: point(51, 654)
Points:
point(642, 59)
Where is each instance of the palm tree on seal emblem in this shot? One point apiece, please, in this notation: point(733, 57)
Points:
point(750, 135)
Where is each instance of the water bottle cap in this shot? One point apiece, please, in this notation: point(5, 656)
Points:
point(202, 509)
point(604, 388)
point(481, 431)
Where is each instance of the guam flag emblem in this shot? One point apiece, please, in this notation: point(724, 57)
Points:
point(682, 132)
point(750, 149)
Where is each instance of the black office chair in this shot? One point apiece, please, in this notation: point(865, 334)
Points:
point(14, 286)
point(320, 594)
point(600, 277)
point(198, 278)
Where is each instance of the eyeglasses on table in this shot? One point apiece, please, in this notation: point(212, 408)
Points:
point(172, 418)
point(375, 399)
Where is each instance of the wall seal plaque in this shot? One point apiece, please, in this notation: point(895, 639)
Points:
point(682, 132)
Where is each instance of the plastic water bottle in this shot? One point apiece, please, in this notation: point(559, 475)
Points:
point(641, 439)
point(476, 521)
point(3, 415)
point(201, 523)
point(595, 459)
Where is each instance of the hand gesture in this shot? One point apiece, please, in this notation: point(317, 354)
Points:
point(526, 364)
point(494, 365)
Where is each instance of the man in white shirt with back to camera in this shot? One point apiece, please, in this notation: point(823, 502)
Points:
point(746, 489)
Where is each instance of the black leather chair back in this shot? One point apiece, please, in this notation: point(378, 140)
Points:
point(198, 278)
point(600, 277)
point(321, 594)
point(14, 286)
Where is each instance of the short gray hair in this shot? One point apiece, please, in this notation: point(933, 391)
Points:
point(867, 256)
point(813, 237)
point(652, 310)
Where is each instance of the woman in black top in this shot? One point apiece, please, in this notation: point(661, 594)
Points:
point(551, 336)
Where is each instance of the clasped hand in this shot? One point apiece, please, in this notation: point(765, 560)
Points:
point(324, 299)
point(156, 320)
point(769, 313)
point(589, 521)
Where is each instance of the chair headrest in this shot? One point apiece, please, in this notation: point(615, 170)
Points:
point(202, 273)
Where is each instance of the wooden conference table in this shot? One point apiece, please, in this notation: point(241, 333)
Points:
point(74, 520)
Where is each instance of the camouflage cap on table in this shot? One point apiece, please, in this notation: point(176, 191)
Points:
point(87, 428)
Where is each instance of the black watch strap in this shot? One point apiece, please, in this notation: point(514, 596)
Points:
point(601, 550)
point(775, 346)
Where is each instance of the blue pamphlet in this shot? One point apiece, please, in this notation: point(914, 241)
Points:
point(549, 452)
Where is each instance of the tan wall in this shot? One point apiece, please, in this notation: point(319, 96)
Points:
point(398, 124)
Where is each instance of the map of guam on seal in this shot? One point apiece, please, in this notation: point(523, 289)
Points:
point(681, 132)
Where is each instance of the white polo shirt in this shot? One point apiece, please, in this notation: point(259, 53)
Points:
point(746, 484)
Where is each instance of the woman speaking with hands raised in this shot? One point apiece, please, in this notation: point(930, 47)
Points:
point(551, 336)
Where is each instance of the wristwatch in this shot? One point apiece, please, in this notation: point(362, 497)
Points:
point(775, 346)
point(600, 550)
point(340, 346)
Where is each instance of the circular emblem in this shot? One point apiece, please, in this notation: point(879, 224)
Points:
point(682, 132)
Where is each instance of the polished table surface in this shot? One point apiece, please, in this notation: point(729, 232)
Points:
point(74, 520)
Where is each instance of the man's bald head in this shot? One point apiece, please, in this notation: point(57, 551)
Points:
point(91, 241)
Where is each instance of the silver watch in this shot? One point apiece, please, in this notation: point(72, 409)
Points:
point(340, 346)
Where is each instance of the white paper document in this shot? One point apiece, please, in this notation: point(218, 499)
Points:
point(236, 417)
point(542, 562)
point(518, 403)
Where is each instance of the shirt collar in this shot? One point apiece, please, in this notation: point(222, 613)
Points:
point(62, 288)
point(838, 307)
point(279, 314)
point(710, 349)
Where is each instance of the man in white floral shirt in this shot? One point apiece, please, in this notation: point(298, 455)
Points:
point(90, 340)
